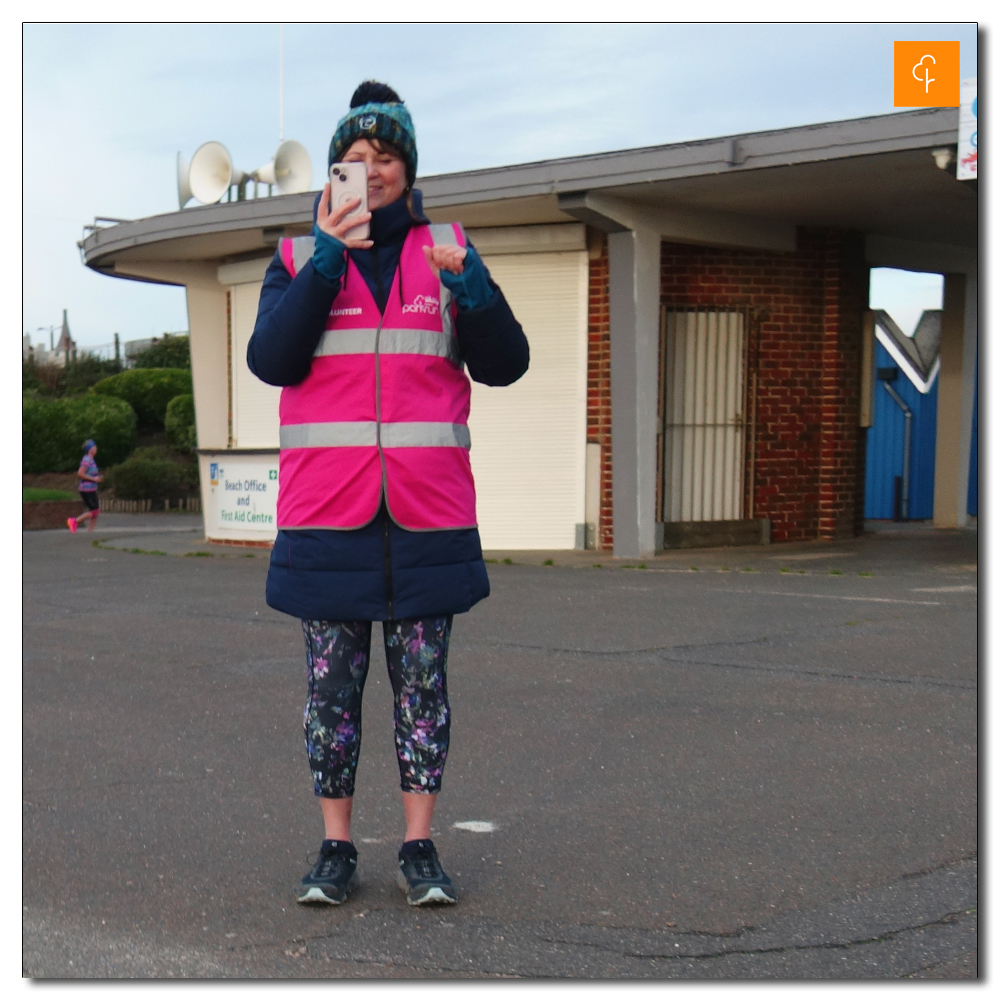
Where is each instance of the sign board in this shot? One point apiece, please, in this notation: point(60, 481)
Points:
point(968, 134)
point(241, 496)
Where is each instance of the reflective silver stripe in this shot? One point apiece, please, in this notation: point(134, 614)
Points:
point(302, 251)
point(443, 235)
point(361, 433)
point(390, 341)
point(341, 434)
point(424, 434)
point(437, 345)
point(346, 342)
point(444, 296)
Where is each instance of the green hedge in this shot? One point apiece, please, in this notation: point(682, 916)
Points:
point(153, 474)
point(53, 431)
point(170, 352)
point(148, 391)
point(179, 423)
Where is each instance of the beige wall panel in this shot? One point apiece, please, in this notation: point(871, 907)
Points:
point(206, 305)
point(255, 404)
point(529, 439)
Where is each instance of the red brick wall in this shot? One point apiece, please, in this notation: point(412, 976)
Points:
point(806, 316)
point(599, 381)
point(806, 312)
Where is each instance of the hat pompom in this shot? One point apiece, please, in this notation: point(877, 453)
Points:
point(373, 92)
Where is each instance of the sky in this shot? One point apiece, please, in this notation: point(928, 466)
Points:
point(904, 295)
point(108, 107)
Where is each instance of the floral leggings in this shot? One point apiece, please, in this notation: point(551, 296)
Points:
point(337, 657)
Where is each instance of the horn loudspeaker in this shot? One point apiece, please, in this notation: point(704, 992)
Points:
point(184, 194)
point(211, 173)
point(290, 170)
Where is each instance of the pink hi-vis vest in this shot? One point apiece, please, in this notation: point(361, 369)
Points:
point(385, 405)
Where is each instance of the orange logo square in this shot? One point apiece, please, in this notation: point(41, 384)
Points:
point(925, 75)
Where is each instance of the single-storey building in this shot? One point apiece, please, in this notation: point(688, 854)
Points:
point(702, 349)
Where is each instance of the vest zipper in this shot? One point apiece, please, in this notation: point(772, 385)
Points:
point(387, 563)
point(384, 505)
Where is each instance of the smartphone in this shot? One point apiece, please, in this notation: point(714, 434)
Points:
point(347, 181)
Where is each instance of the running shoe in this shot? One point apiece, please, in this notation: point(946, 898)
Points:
point(421, 876)
point(333, 876)
point(71, 524)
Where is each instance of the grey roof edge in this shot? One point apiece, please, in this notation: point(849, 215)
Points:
point(918, 129)
point(262, 213)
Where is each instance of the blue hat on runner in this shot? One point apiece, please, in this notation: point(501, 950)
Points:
point(88, 444)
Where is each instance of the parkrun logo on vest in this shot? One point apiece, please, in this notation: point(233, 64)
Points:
point(353, 311)
point(423, 304)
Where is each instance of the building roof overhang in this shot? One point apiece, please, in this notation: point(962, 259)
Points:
point(874, 175)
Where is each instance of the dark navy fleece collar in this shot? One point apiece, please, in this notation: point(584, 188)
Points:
point(392, 222)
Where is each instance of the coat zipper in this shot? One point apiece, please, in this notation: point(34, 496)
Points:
point(387, 557)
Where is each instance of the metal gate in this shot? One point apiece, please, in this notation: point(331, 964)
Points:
point(704, 401)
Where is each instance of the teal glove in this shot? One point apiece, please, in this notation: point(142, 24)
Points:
point(471, 288)
point(328, 256)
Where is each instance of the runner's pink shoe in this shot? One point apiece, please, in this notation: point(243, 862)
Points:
point(71, 524)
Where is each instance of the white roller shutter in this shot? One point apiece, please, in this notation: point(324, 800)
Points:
point(529, 439)
point(255, 404)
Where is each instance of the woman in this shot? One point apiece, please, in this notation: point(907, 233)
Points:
point(376, 506)
point(89, 477)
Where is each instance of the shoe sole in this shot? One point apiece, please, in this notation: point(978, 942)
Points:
point(432, 894)
point(315, 893)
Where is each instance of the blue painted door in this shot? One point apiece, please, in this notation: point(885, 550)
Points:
point(885, 446)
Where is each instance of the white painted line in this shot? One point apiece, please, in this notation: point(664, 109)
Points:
point(475, 826)
point(809, 556)
point(829, 597)
point(968, 588)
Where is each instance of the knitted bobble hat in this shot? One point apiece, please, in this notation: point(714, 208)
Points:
point(377, 112)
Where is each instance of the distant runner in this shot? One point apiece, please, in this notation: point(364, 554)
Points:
point(89, 477)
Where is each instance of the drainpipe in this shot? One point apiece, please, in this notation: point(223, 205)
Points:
point(908, 420)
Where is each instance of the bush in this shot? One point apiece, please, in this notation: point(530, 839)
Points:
point(179, 422)
point(148, 391)
point(144, 479)
point(87, 371)
point(53, 431)
point(171, 352)
point(153, 474)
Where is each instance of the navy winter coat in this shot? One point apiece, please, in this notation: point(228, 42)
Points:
point(380, 571)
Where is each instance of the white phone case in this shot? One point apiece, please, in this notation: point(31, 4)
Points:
point(347, 181)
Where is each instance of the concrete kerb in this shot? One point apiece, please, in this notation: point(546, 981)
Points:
point(182, 534)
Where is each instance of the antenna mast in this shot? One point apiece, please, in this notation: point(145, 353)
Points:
point(281, 83)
